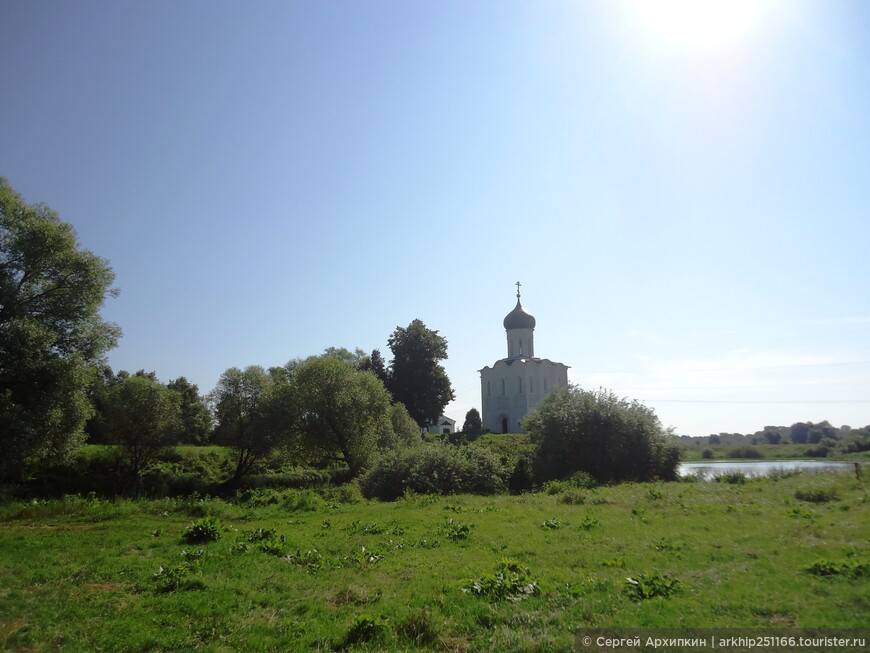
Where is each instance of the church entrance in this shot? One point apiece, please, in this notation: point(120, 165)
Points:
point(504, 425)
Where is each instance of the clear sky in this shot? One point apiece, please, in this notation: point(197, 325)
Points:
point(684, 192)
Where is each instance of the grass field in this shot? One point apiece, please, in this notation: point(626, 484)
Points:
point(298, 570)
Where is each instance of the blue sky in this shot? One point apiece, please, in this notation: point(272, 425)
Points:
point(684, 194)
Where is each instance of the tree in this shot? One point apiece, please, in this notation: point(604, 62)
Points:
point(51, 333)
point(473, 425)
point(340, 410)
point(143, 416)
point(416, 378)
point(596, 432)
point(195, 418)
point(242, 404)
point(398, 430)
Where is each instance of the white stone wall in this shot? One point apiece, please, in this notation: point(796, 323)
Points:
point(513, 387)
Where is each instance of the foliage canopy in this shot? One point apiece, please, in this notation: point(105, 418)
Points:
point(51, 332)
point(596, 432)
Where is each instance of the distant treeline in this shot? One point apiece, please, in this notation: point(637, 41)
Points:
point(845, 438)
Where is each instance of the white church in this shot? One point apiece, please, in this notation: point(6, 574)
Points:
point(515, 385)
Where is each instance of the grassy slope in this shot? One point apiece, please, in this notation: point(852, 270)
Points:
point(78, 574)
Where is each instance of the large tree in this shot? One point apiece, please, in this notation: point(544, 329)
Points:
point(472, 425)
point(341, 411)
point(596, 432)
point(144, 417)
point(243, 407)
point(51, 333)
point(416, 378)
point(195, 418)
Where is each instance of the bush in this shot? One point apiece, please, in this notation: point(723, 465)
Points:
point(596, 432)
point(817, 495)
point(817, 452)
point(745, 452)
point(432, 469)
point(707, 454)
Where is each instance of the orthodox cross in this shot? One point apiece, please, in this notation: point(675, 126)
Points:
point(518, 289)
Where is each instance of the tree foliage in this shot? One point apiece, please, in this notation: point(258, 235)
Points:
point(472, 425)
point(143, 416)
point(416, 378)
point(195, 418)
point(244, 409)
point(51, 333)
point(612, 439)
point(341, 411)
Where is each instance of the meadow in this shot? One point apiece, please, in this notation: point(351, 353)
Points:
point(291, 569)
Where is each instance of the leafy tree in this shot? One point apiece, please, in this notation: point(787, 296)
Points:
point(377, 366)
point(416, 378)
point(800, 432)
point(195, 418)
point(143, 416)
point(243, 409)
point(596, 432)
point(398, 430)
point(472, 425)
point(340, 410)
point(358, 358)
point(51, 333)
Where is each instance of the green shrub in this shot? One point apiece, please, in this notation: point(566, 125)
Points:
point(573, 497)
point(707, 454)
point(609, 438)
point(746, 451)
point(207, 529)
point(432, 469)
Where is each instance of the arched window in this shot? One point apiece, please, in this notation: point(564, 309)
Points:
point(502, 387)
point(519, 385)
point(531, 385)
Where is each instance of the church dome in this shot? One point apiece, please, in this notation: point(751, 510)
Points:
point(519, 319)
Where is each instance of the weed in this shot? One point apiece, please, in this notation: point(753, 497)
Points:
point(456, 531)
point(552, 524)
point(512, 581)
point(207, 529)
point(274, 545)
point(663, 544)
point(418, 628)
point(618, 561)
point(817, 495)
point(259, 534)
point(802, 513)
point(312, 561)
point(588, 523)
point(847, 568)
point(650, 586)
point(732, 478)
point(573, 497)
point(654, 494)
point(427, 544)
point(365, 629)
point(365, 558)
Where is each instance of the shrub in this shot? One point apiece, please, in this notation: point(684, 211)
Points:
point(707, 454)
point(432, 469)
point(747, 451)
point(817, 452)
point(596, 432)
point(207, 529)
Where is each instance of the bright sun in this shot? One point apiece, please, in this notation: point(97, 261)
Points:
point(693, 25)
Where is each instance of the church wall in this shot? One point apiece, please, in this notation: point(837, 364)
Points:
point(512, 390)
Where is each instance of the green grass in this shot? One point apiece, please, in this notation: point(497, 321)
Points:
point(301, 571)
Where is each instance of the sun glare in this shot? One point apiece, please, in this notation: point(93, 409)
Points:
point(696, 25)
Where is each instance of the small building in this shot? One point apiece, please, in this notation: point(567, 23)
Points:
point(515, 385)
point(442, 425)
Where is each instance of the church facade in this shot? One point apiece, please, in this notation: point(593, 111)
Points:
point(515, 385)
